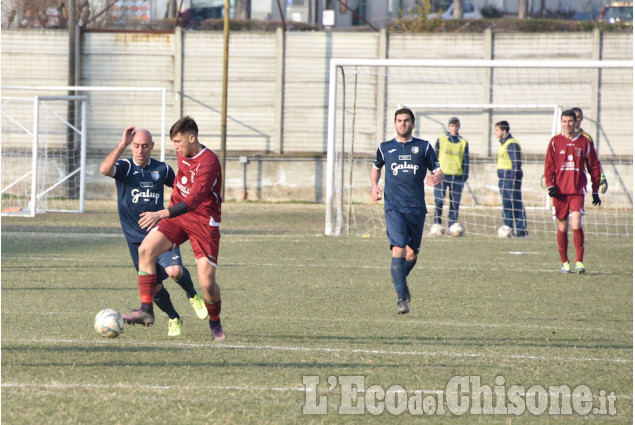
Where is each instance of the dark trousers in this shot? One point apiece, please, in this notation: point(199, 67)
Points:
point(513, 208)
point(455, 186)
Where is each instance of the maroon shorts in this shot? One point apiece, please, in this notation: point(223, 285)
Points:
point(564, 204)
point(203, 235)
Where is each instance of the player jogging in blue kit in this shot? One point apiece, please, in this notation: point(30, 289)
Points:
point(407, 161)
point(140, 181)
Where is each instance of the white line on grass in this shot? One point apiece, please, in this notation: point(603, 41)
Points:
point(322, 265)
point(136, 387)
point(427, 323)
point(368, 320)
point(333, 350)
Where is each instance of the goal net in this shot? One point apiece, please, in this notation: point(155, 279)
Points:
point(43, 150)
point(530, 95)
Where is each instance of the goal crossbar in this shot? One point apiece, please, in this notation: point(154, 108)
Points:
point(162, 90)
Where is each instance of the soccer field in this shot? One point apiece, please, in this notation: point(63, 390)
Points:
point(312, 329)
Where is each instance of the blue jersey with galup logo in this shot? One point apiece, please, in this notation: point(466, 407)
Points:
point(406, 167)
point(139, 190)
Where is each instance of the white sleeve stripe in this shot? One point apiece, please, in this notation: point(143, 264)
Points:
point(129, 166)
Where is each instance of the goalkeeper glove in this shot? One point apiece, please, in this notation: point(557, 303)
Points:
point(553, 191)
point(596, 200)
point(603, 184)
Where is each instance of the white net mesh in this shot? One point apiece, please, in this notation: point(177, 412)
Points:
point(41, 163)
point(530, 97)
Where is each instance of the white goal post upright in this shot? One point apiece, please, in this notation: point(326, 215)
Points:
point(26, 186)
point(530, 94)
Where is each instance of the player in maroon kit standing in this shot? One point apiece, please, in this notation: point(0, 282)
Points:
point(195, 214)
point(568, 154)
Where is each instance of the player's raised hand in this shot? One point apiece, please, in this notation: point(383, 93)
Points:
point(128, 135)
point(375, 193)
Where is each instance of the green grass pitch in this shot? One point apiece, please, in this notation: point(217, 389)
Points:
point(299, 304)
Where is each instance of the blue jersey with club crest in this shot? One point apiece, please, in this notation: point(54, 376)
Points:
point(140, 189)
point(406, 167)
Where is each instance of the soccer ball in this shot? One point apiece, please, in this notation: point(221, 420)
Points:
point(457, 229)
point(437, 230)
point(109, 323)
point(504, 231)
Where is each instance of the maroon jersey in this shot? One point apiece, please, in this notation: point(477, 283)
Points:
point(198, 183)
point(565, 165)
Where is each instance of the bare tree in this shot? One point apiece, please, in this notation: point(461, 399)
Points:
point(522, 9)
point(243, 9)
point(458, 9)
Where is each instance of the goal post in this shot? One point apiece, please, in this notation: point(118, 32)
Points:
point(364, 93)
point(43, 149)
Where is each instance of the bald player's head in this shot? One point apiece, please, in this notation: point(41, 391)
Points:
point(141, 146)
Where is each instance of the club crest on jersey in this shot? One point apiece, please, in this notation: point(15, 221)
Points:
point(414, 149)
point(155, 175)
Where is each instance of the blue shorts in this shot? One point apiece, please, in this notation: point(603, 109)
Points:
point(404, 229)
point(165, 260)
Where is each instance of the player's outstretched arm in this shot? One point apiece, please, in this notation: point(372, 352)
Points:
point(150, 218)
point(108, 166)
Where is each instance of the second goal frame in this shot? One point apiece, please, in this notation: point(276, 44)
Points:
point(596, 77)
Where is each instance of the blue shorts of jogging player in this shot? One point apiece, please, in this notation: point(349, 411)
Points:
point(165, 260)
point(404, 229)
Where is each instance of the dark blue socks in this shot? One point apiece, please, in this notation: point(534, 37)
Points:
point(186, 283)
point(163, 301)
point(398, 273)
point(410, 265)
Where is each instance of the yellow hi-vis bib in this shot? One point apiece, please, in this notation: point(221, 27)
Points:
point(451, 155)
point(504, 162)
point(587, 135)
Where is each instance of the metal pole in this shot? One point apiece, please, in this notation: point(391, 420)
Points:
point(36, 121)
point(164, 95)
point(223, 119)
point(71, 148)
point(82, 179)
point(330, 157)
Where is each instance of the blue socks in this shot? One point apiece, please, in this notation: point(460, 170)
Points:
point(163, 301)
point(410, 265)
point(186, 283)
point(398, 273)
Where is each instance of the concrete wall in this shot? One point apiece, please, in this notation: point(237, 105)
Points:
point(278, 93)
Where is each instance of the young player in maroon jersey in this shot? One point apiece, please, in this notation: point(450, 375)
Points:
point(195, 214)
point(568, 154)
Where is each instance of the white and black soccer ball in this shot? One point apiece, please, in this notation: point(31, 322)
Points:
point(109, 323)
point(504, 231)
point(457, 229)
point(437, 230)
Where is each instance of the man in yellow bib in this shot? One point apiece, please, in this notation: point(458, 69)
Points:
point(453, 155)
point(510, 178)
